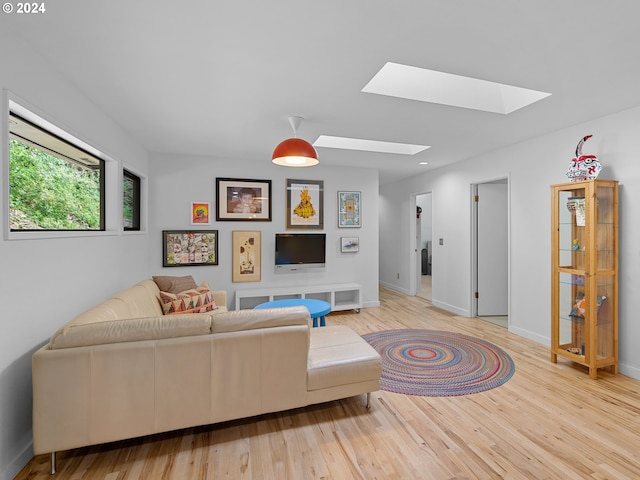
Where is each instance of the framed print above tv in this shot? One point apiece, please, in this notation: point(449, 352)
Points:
point(305, 208)
point(243, 200)
point(187, 248)
point(349, 210)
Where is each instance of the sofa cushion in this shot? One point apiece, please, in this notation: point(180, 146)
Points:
point(175, 284)
point(197, 300)
point(339, 356)
point(238, 320)
point(130, 330)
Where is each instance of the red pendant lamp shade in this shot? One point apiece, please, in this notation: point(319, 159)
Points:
point(295, 152)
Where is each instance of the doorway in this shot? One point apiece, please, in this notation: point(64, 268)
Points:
point(491, 251)
point(424, 246)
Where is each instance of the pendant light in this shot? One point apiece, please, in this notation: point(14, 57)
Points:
point(295, 152)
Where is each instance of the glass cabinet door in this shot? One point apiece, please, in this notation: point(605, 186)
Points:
point(605, 234)
point(606, 340)
point(572, 218)
point(571, 313)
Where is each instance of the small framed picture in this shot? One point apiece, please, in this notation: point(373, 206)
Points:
point(200, 213)
point(305, 209)
point(187, 248)
point(243, 200)
point(349, 210)
point(349, 244)
point(247, 247)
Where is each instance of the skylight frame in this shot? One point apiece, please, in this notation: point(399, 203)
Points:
point(360, 144)
point(431, 86)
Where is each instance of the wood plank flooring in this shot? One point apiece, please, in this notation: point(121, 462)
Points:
point(549, 421)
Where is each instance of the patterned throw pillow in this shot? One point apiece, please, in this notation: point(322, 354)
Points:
point(197, 300)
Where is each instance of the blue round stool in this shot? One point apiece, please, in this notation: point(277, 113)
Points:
point(317, 308)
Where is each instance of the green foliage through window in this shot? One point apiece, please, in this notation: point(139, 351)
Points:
point(48, 193)
point(130, 201)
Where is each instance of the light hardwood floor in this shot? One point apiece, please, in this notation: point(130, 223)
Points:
point(425, 289)
point(549, 421)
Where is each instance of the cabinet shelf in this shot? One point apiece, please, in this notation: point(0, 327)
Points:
point(584, 283)
point(341, 296)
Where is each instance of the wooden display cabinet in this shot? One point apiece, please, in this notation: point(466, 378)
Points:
point(584, 282)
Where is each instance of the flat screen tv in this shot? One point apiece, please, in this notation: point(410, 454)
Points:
point(300, 250)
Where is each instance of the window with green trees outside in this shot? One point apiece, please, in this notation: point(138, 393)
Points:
point(53, 185)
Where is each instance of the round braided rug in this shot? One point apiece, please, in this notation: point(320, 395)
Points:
point(439, 364)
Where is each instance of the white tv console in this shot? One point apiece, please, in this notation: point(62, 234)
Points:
point(341, 296)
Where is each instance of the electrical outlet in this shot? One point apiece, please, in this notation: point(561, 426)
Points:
point(398, 276)
point(441, 241)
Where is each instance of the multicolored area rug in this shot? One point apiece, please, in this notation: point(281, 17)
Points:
point(439, 364)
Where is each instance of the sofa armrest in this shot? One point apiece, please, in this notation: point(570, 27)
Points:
point(220, 297)
point(237, 320)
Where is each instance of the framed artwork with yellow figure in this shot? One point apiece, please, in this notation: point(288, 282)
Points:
point(305, 208)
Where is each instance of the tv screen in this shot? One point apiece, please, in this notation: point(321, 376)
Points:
point(300, 250)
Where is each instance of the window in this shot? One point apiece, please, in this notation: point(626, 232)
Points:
point(53, 184)
point(130, 201)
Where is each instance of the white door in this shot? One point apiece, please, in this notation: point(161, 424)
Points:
point(492, 249)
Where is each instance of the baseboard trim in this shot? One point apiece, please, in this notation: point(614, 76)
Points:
point(530, 335)
point(450, 308)
point(18, 463)
point(396, 288)
point(629, 371)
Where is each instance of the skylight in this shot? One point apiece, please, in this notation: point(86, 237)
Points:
point(413, 83)
point(327, 141)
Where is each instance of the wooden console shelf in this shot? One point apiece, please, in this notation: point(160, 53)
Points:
point(341, 296)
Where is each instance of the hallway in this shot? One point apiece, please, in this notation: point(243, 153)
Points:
point(425, 292)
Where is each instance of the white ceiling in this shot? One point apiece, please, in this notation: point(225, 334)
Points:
point(220, 77)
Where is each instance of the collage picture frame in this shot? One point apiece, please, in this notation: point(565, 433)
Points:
point(187, 248)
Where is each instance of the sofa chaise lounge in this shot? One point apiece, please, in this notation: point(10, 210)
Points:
point(123, 369)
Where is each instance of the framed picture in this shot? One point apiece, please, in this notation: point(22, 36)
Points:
point(243, 200)
point(200, 213)
point(305, 208)
point(187, 248)
point(247, 247)
point(349, 244)
point(349, 210)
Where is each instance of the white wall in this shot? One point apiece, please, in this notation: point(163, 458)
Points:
point(178, 180)
point(532, 166)
point(44, 283)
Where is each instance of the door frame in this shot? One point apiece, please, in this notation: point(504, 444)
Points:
point(474, 244)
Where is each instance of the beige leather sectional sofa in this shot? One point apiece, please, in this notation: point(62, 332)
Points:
point(123, 369)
